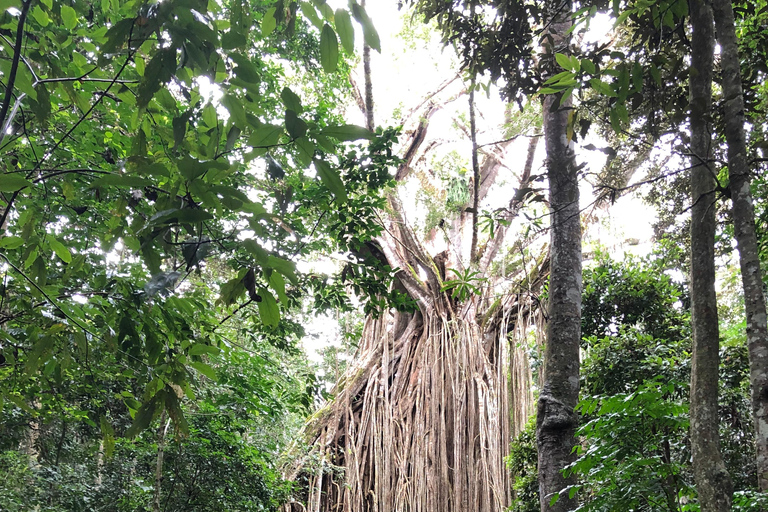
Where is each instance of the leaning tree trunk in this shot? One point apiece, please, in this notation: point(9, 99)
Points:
point(556, 420)
point(743, 214)
point(712, 479)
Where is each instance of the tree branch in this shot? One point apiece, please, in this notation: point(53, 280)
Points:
point(14, 66)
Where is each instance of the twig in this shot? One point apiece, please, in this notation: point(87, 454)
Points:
point(14, 66)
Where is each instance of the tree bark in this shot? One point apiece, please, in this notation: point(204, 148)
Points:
point(743, 215)
point(556, 420)
point(368, 83)
point(161, 434)
point(712, 479)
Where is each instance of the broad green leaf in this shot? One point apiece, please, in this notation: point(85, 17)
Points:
point(311, 14)
point(254, 248)
point(69, 17)
point(348, 132)
point(265, 136)
point(233, 39)
point(285, 267)
point(294, 125)
point(564, 61)
point(345, 30)
point(143, 418)
point(204, 369)
point(191, 168)
point(306, 151)
point(268, 22)
point(277, 283)
point(61, 250)
point(234, 106)
point(329, 49)
point(602, 87)
point(637, 76)
point(370, 34)
point(588, 66)
point(190, 216)
point(40, 16)
point(291, 100)
point(121, 180)
point(108, 436)
point(11, 242)
point(8, 4)
point(268, 308)
point(615, 122)
point(13, 182)
point(331, 179)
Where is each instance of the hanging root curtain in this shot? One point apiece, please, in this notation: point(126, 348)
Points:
point(423, 418)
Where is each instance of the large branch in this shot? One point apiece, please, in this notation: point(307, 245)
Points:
point(515, 204)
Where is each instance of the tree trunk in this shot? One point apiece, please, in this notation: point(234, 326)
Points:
point(162, 431)
point(368, 83)
point(743, 214)
point(712, 479)
point(556, 420)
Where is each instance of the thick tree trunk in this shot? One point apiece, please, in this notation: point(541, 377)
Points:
point(556, 420)
point(743, 214)
point(712, 479)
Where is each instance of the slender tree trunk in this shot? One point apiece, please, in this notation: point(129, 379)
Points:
point(161, 433)
point(743, 213)
point(556, 420)
point(712, 479)
point(368, 83)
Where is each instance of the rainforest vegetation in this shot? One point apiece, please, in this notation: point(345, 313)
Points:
point(195, 192)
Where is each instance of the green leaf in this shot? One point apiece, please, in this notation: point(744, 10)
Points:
point(345, 30)
point(253, 247)
point(268, 22)
point(61, 250)
point(69, 17)
point(191, 168)
point(143, 418)
point(11, 242)
point(265, 136)
point(602, 87)
point(306, 151)
point(370, 34)
point(329, 49)
point(564, 61)
point(285, 267)
point(291, 100)
point(588, 66)
point(8, 4)
point(295, 126)
point(615, 122)
point(13, 182)
point(40, 16)
point(311, 14)
point(204, 369)
point(348, 132)
point(121, 180)
point(268, 308)
point(199, 349)
point(331, 179)
point(277, 282)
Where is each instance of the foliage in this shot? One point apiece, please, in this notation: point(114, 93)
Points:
point(523, 463)
point(633, 447)
point(164, 165)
